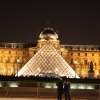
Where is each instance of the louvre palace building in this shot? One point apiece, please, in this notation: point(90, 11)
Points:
point(49, 57)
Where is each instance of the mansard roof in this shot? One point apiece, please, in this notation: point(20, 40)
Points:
point(82, 47)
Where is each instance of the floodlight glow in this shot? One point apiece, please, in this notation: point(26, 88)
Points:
point(56, 69)
point(13, 84)
point(90, 87)
point(38, 69)
point(1, 85)
point(49, 85)
point(82, 86)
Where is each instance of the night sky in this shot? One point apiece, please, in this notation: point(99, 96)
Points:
point(78, 21)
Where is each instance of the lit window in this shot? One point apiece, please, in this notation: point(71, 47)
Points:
point(8, 69)
point(85, 54)
point(16, 69)
point(18, 60)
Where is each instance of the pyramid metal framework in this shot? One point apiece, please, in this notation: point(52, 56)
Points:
point(47, 61)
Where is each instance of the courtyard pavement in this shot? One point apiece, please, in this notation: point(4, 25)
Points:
point(39, 99)
point(28, 99)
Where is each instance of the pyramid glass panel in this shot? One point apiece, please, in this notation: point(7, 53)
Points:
point(47, 61)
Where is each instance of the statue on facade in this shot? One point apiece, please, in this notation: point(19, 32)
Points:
point(91, 71)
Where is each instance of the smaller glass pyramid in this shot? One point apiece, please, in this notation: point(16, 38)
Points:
point(47, 62)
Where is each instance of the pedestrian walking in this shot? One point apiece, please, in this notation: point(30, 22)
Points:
point(67, 89)
point(59, 88)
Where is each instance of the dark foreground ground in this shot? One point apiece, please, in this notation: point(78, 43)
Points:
point(39, 99)
point(33, 87)
point(26, 99)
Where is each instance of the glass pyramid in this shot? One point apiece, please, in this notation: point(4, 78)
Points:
point(47, 62)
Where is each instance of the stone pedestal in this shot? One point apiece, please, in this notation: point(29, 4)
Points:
point(90, 74)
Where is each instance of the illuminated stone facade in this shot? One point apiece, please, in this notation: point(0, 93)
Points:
point(13, 56)
point(80, 56)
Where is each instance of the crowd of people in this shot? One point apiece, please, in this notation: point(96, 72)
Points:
point(63, 86)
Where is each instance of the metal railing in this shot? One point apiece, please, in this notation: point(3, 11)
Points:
point(41, 89)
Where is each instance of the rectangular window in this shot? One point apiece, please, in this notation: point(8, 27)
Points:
point(85, 62)
point(78, 54)
point(71, 54)
point(1, 52)
point(34, 52)
point(99, 71)
point(71, 61)
point(85, 54)
point(99, 62)
point(8, 69)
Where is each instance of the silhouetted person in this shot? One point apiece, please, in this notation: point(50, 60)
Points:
point(59, 89)
point(67, 90)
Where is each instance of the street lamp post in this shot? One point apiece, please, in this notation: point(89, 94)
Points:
point(81, 70)
point(17, 65)
point(75, 62)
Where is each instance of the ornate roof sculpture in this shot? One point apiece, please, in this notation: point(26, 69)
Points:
point(47, 62)
point(48, 33)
